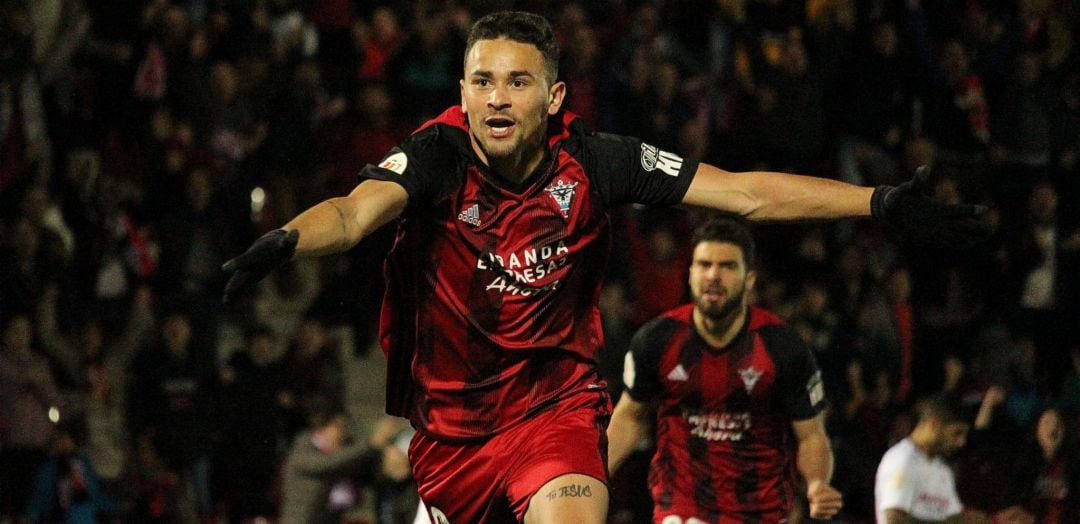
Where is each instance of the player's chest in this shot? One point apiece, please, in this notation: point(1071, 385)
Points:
point(698, 377)
point(558, 199)
point(543, 223)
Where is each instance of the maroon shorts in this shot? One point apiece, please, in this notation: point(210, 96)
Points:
point(674, 516)
point(492, 481)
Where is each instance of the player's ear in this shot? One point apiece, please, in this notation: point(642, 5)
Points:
point(751, 279)
point(556, 93)
point(461, 84)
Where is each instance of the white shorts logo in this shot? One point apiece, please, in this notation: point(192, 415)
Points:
point(675, 519)
point(438, 517)
point(653, 159)
point(396, 162)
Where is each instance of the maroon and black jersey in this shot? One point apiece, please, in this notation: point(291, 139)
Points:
point(491, 311)
point(725, 447)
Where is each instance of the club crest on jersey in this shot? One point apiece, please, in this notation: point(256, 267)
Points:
point(396, 162)
point(653, 159)
point(750, 377)
point(563, 194)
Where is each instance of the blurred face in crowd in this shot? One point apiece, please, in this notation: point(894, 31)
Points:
point(885, 40)
point(951, 436)
point(1043, 203)
point(336, 432)
point(954, 61)
point(508, 95)
point(261, 348)
point(17, 335)
point(719, 279)
point(1050, 432)
point(898, 286)
point(176, 332)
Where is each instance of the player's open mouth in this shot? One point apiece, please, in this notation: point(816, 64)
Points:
point(500, 127)
point(713, 294)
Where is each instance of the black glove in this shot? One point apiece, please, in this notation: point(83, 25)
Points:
point(268, 252)
point(910, 213)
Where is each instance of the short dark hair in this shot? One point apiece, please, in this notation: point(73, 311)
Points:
point(944, 408)
point(519, 26)
point(731, 229)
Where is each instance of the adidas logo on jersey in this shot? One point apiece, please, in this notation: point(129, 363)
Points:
point(678, 374)
point(471, 215)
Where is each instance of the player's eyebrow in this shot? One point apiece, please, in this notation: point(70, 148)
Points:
point(512, 74)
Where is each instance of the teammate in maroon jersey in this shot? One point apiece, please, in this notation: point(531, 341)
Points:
point(738, 399)
point(490, 321)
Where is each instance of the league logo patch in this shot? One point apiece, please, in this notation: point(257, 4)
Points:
point(653, 159)
point(396, 162)
point(815, 389)
point(563, 194)
point(749, 377)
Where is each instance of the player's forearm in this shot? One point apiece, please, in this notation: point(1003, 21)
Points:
point(624, 433)
point(770, 196)
point(327, 227)
point(815, 459)
point(338, 224)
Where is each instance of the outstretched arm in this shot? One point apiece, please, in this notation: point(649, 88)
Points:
point(763, 195)
point(331, 226)
point(907, 210)
point(338, 224)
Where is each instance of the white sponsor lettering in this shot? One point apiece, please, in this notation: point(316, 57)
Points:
point(653, 159)
point(720, 427)
point(519, 271)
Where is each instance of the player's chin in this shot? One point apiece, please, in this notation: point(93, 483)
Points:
point(499, 148)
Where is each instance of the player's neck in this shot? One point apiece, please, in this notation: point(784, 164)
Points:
point(922, 440)
point(720, 331)
point(515, 168)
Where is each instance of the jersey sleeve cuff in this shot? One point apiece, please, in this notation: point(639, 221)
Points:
point(373, 172)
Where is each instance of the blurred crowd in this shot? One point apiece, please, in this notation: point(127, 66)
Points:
point(144, 142)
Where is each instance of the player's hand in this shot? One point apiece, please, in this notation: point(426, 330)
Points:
point(268, 252)
point(825, 501)
point(911, 213)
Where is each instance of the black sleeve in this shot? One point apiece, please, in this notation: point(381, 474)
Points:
point(425, 164)
point(627, 170)
point(799, 385)
point(641, 370)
